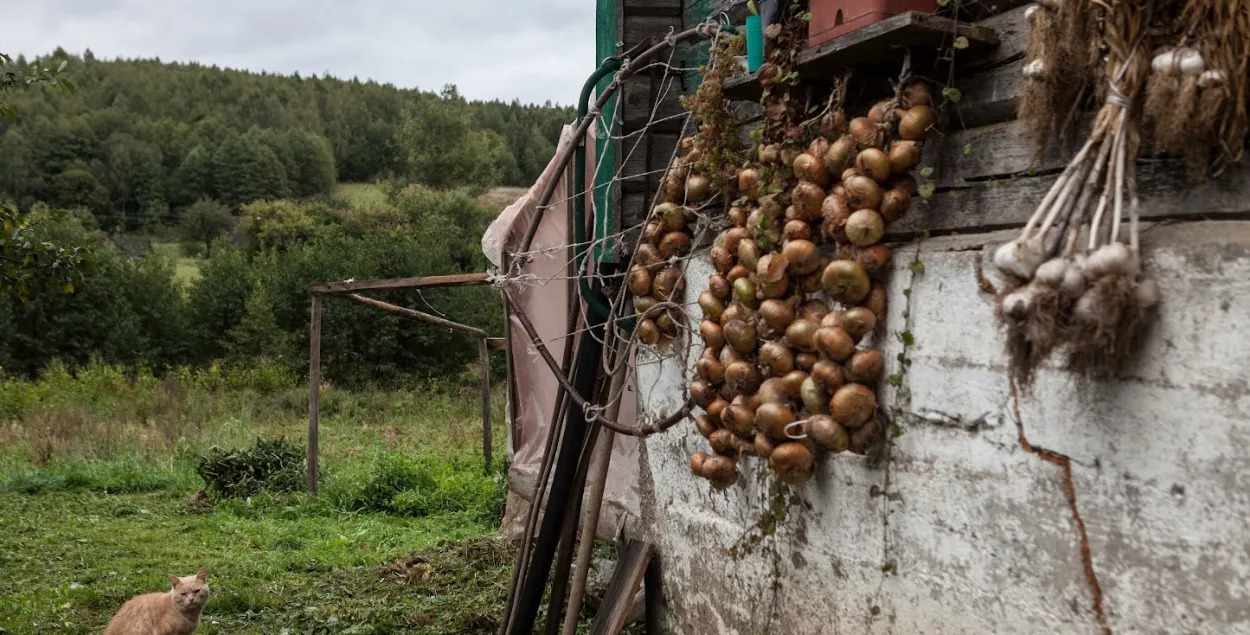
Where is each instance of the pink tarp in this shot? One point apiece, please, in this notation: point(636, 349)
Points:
point(539, 283)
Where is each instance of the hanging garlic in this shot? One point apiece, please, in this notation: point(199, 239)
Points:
point(1020, 257)
point(1211, 78)
point(1146, 293)
point(1164, 61)
point(1073, 284)
point(1051, 272)
point(1191, 62)
point(1112, 259)
point(1035, 69)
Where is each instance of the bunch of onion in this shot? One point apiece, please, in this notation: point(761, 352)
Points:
point(1093, 298)
point(653, 277)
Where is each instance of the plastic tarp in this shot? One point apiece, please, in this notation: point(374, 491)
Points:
point(539, 281)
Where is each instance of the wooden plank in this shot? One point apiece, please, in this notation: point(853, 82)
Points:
point(996, 151)
point(1012, 29)
point(973, 10)
point(642, 158)
point(877, 47)
point(497, 343)
point(641, 28)
point(638, 107)
point(1162, 186)
point(510, 418)
point(619, 596)
point(487, 440)
point(653, 586)
point(989, 97)
point(666, 8)
point(414, 314)
point(400, 284)
point(314, 392)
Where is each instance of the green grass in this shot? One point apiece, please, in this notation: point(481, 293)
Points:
point(359, 193)
point(96, 470)
point(186, 270)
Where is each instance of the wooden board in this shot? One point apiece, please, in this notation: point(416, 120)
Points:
point(877, 45)
point(400, 284)
point(619, 596)
point(1163, 189)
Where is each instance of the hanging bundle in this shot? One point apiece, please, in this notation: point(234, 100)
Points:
point(1088, 293)
point(1195, 104)
point(1061, 59)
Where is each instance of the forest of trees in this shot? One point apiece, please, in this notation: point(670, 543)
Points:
point(245, 166)
point(139, 141)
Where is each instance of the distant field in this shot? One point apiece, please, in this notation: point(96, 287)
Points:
point(360, 192)
point(186, 270)
point(496, 198)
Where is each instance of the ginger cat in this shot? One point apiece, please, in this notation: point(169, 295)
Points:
point(173, 613)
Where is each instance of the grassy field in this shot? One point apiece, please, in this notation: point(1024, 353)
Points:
point(186, 270)
point(96, 470)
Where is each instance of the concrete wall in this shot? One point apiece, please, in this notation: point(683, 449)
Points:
point(961, 529)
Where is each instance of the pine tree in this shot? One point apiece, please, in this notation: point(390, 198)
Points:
point(257, 335)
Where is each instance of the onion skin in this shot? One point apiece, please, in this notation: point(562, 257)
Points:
point(802, 255)
point(853, 405)
point(745, 292)
point(814, 310)
point(734, 312)
point(917, 93)
point(739, 420)
point(721, 470)
point(763, 445)
point(865, 227)
point(862, 192)
point(834, 318)
point(839, 155)
point(834, 124)
point(916, 123)
point(649, 256)
point(738, 271)
point(722, 259)
point(874, 259)
point(702, 393)
point(894, 204)
point(904, 156)
point(846, 281)
point(835, 343)
point(711, 305)
point(749, 254)
point(675, 244)
point(648, 332)
point(696, 463)
point(652, 232)
point(773, 390)
point(741, 336)
point(806, 361)
point(777, 314)
point(777, 357)
point(639, 281)
point(704, 425)
point(858, 322)
point(835, 211)
point(807, 199)
point(712, 334)
point(793, 463)
point(715, 409)
point(794, 383)
point(801, 335)
point(830, 374)
point(874, 163)
point(797, 230)
point(772, 419)
point(718, 285)
point(697, 188)
point(673, 217)
point(865, 366)
point(864, 438)
point(875, 301)
point(749, 183)
point(668, 284)
point(710, 369)
point(866, 133)
point(815, 397)
point(827, 434)
point(811, 168)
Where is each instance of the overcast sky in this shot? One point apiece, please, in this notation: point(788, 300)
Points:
point(533, 50)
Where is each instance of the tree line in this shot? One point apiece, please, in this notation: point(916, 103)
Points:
point(140, 141)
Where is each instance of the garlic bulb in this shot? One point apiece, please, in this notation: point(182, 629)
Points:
point(1051, 272)
point(1073, 284)
point(1088, 307)
point(1164, 61)
point(1191, 62)
point(1035, 69)
point(1020, 257)
point(1112, 259)
point(1018, 304)
point(1210, 78)
point(1030, 13)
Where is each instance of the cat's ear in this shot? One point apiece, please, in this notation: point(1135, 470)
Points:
point(174, 580)
point(202, 574)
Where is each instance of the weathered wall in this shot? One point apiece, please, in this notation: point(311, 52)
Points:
point(996, 512)
point(962, 529)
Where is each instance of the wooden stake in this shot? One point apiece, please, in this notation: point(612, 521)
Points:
point(487, 441)
point(314, 391)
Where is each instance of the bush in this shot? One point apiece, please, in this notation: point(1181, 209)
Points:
point(422, 486)
point(275, 465)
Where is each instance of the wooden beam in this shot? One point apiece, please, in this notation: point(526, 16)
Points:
point(414, 314)
point(876, 47)
point(618, 599)
point(487, 441)
point(314, 391)
point(400, 284)
point(497, 343)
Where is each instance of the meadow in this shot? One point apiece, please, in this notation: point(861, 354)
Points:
point(98, 489)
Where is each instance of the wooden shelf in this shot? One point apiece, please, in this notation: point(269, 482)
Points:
point(877, 47)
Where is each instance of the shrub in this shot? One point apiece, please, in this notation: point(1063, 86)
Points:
point(275, 465)
point(422, 486)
